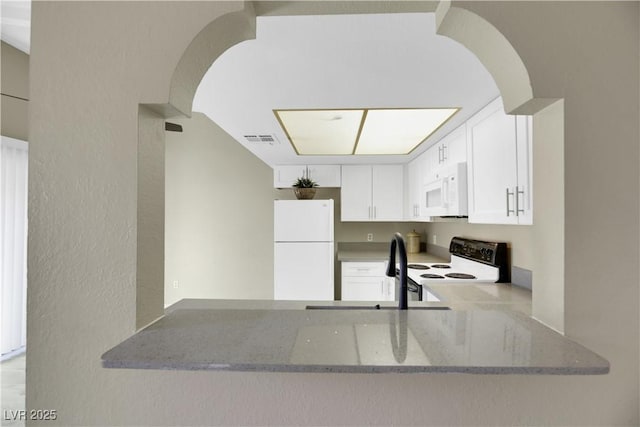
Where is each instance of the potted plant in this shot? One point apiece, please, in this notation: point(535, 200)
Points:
point(304, 188)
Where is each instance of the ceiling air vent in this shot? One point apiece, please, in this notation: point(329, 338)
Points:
point(262, 139)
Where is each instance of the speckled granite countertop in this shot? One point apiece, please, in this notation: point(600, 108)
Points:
point(280, 336)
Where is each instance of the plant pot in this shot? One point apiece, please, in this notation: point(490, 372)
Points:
point(304, 193)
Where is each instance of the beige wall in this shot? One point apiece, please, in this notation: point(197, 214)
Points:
point(93, 63)
point(548, 230)
point(15, 92)
point(150, 231)
point(219, 216)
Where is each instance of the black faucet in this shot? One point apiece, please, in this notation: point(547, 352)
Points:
point(398, 242)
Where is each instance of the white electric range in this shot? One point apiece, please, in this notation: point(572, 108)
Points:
point(472, 261)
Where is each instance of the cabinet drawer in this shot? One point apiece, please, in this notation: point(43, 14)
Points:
point(363, 289)
point(364, 269)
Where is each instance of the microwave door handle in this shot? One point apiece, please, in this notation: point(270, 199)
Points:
point(445, 192)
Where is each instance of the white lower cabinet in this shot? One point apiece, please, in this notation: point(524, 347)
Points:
point(499, 167)
point(366, 281)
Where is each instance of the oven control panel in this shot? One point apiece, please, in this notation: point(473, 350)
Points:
point(493, 253)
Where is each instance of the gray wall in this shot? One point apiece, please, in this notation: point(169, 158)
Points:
point(15, 92)
point(92, 64)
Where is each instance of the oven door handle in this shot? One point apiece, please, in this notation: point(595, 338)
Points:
point(414, 288)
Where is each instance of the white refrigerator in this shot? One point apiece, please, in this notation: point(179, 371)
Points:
point(303, 250)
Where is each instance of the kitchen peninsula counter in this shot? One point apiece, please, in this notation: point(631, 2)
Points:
point(281, 336)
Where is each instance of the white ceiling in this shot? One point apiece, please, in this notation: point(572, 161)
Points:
point(334, 61)
point(15, 23)
point(340, 61)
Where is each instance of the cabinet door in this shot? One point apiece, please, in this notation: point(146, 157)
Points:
point(389, 289)
point(491, 162)
point(388, 193)
point(450, 149)
point(524, 126)
point(455, 146)
point(325, 175)
point(363, 288)
point(414, 183)
point(285, 176)
point(414, 210)
point(355, 193)
point(431, 163)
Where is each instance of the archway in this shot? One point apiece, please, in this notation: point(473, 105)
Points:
point(479, 36)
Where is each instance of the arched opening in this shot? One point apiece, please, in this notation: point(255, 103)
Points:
point(510, 74)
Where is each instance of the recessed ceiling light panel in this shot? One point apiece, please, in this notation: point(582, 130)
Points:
point(380, 131)
point(399, 131)
point(321, 132)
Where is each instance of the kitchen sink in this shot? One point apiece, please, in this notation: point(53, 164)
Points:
point(369, 307)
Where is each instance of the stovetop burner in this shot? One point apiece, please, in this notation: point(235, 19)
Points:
point(418, 266)
point(460, 276)
point(440, 266)
point(431, 276)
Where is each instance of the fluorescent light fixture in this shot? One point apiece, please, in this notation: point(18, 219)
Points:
point(321, 132)
point(380, 131)
point(399, 131)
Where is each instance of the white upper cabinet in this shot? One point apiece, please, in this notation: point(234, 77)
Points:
point(372, 193)
point(325, 175)
point(449, 150)
point(285, 176)
point(355, 193)
point(499, 167)
point(414, 206)
point(388, 198)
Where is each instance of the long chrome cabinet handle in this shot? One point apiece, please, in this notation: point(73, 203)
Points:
point(369, 212)
point(509, 193)
point(517, 194)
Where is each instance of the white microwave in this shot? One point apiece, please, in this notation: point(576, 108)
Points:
point(447, 194)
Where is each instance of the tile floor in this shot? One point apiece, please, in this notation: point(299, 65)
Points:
point(12, 377)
